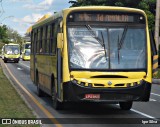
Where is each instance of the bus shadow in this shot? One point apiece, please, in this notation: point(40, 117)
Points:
point(87, 108)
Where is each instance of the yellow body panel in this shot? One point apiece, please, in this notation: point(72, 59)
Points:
point(25, 57)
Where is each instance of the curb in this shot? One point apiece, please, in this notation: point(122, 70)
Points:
point(156, 81)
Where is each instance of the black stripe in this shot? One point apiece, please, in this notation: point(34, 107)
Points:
point(155, 61)
point(155, 70)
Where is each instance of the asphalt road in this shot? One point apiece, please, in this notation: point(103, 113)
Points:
point(89, 114)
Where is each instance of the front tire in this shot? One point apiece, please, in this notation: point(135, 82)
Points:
point(126, 105)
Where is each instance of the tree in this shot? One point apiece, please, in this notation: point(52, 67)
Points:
point(14, 36)
point(147, 5)
point(8, 35)
point(3, 33)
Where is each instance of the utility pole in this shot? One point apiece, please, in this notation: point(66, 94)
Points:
point(157, 23)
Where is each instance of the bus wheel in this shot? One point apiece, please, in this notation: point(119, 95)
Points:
point(39, 91)
point(56, 103)
point(5, 61)
point(126, 105)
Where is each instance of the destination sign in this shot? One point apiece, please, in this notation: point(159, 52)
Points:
point(103, 17)
point(106, 17)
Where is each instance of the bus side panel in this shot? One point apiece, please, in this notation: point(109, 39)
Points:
point(46, 66)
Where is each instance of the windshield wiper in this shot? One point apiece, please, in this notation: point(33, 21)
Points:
point(94, 34)
point(120, 42)
point(101, 43)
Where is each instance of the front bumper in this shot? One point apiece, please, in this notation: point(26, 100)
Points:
point(11, 59)
point(74, 92)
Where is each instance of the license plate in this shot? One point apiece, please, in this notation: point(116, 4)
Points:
point(92, 96)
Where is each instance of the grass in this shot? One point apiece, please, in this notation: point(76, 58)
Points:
point(11, 104)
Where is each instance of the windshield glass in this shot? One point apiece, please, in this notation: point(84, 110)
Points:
point(27, 46)
point(12, 49)
point(27, 52)
point(107, 48)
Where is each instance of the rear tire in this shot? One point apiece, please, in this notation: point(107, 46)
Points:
point(5, 61)
point(126, 105)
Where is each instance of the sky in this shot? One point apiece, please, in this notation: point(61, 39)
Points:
point(21, 14)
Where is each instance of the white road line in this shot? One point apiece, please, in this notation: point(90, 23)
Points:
point(153, 100)
point(155, 94)
point(141, 113)
point(25, 65)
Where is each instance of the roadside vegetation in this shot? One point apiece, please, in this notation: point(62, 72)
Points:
point(11, 104)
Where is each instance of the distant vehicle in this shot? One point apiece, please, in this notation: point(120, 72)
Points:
point(93, 54)
point(11, 52)
point(26, 50)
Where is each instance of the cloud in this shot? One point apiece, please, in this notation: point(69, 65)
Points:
point(44, 5)
point(29, 19)
point(15, 1)
point(32, 18)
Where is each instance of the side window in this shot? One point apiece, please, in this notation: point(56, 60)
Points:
point(36, 40)
point(40, 44)
point(43, 40)
point(55, 30)
point(39, 37)
point(46, 40)
point(51, 39)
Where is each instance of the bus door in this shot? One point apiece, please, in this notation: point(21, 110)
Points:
point(33, 61)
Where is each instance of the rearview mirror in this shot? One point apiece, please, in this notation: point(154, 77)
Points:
point(60, 40)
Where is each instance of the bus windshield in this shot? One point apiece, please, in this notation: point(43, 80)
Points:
point(27, 52)
point(27, 46)
point(92, 47)
point(12, 49)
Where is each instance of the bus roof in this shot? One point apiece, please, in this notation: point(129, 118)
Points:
point(11, 44)
point(85, 8)
point(27, 42)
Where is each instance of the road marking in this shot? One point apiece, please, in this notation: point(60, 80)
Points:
point(152, 100)
point(47, 113)
point(141, 113)
point(155, 94)
point(25, 65)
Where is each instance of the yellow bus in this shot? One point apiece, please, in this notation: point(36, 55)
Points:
point(93, 54)
point(26, 50)
point(11, 52)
